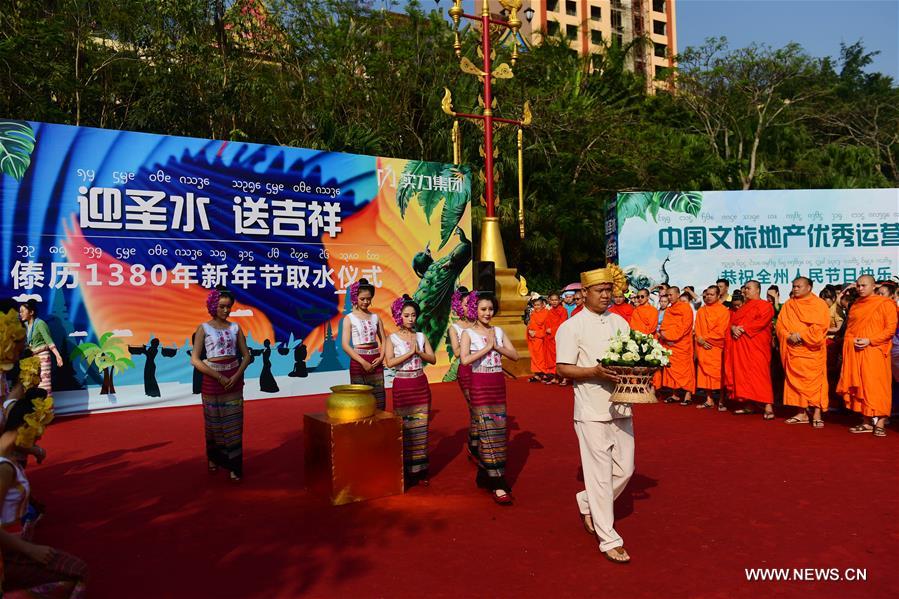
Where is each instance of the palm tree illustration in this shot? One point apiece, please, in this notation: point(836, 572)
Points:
point(109, 355)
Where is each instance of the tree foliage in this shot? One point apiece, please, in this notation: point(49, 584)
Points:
point(347, 75)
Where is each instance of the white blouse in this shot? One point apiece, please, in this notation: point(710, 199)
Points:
point(364, 332)
point(493, 360)
point(401, 347)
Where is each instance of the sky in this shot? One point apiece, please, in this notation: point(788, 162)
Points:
point(818, 25)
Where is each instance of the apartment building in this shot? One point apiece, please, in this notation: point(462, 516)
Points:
point(589, 24)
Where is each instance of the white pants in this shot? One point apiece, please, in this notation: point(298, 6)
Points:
point(607, 456)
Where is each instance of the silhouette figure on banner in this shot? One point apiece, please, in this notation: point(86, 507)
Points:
point(267, 382)
point(151, 387)
point(299, 362)
point(197, 381)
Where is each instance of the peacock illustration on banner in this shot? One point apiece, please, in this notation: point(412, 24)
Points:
point(641, 203)
point(438, 277)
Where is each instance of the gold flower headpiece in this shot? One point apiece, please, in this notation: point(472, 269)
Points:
point(35, 422)
point(30, 372)
point(11, 334)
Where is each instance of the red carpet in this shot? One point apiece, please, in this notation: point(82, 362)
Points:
point(713, 494)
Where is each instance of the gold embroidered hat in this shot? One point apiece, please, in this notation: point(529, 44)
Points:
point(610, 274)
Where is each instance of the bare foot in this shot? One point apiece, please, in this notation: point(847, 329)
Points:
point(617, 555)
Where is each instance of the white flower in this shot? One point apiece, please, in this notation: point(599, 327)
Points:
point(664, 361)
point(633, 347)
point(616, 346)
point(613, 356)
point(630, 357)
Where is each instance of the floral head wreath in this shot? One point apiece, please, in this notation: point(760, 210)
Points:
point(212, 302)
point(30, 372)
point(396, 308)
point(471, 310)
point(458, 308)
point(11, 334)
point(35, 422)
point(354, 293)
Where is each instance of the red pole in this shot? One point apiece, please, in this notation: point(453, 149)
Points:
point(488, 111)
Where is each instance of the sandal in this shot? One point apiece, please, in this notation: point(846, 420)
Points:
point(817, 424)
point(504, 499)
point(768, 416)
point(686, 402)
point(671, 399)
point(744, 411)
point(796, 420)
point(722, 407)
point(535, 379)
point(235, 477)
point(879, 431)
point(213, 468)
point(617, 555)
point(704, 406)
point(862, 428)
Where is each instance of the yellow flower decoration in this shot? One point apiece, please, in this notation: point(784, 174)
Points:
point(619, 279)
point(35, 422)
point(30, 372)
point(12, 332)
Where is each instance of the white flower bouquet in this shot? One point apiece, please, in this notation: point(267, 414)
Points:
point(634, 357)
point(635, 349)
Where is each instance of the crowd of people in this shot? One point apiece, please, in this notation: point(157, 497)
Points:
point(27, 407)
point(739, 351)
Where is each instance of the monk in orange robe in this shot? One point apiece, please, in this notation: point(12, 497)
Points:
point(537, 340)
point(645, 317)
point(747, 352)
point(801, 329)
point(676, 334)
point(621, 307)
point(712, 328)
point(557, 315)
point(865, 377)
point(578, 302)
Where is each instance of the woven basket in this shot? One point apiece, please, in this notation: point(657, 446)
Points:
point(634, 384)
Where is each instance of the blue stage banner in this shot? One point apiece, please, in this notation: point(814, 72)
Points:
point(119, 235)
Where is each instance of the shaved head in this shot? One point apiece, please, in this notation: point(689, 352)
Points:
point(802, 287)
point(865, 285)
point(752, 290)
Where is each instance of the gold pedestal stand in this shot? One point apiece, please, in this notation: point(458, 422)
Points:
point(509, 291)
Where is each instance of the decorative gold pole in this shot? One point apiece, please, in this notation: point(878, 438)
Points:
point(520, 185)
point(509, 289)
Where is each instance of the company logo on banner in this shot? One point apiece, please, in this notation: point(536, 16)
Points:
point(831, 236)
point(120, 235)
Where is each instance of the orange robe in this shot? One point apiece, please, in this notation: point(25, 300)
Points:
point(677, 327)
point(865, 378)
point(556, 317)
point(712, 325)
point(536, 343)
point(624, 310)
point(805, 365)
point(576, 310)
point(645, 319)
point(747, 360)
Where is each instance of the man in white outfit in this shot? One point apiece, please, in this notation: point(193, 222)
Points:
point(604, 430)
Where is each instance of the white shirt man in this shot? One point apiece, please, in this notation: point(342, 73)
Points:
point(604, 430)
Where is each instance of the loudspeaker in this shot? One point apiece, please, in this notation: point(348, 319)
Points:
point(485, 277)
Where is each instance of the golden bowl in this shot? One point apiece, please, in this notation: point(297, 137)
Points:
point(351, 402)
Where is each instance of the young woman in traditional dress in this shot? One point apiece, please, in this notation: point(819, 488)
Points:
point(483, 347)
point(367, 334)
point(222, 388)
point(407, 351)
point(463, 371)
point(39, 570)
point(37, 334)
